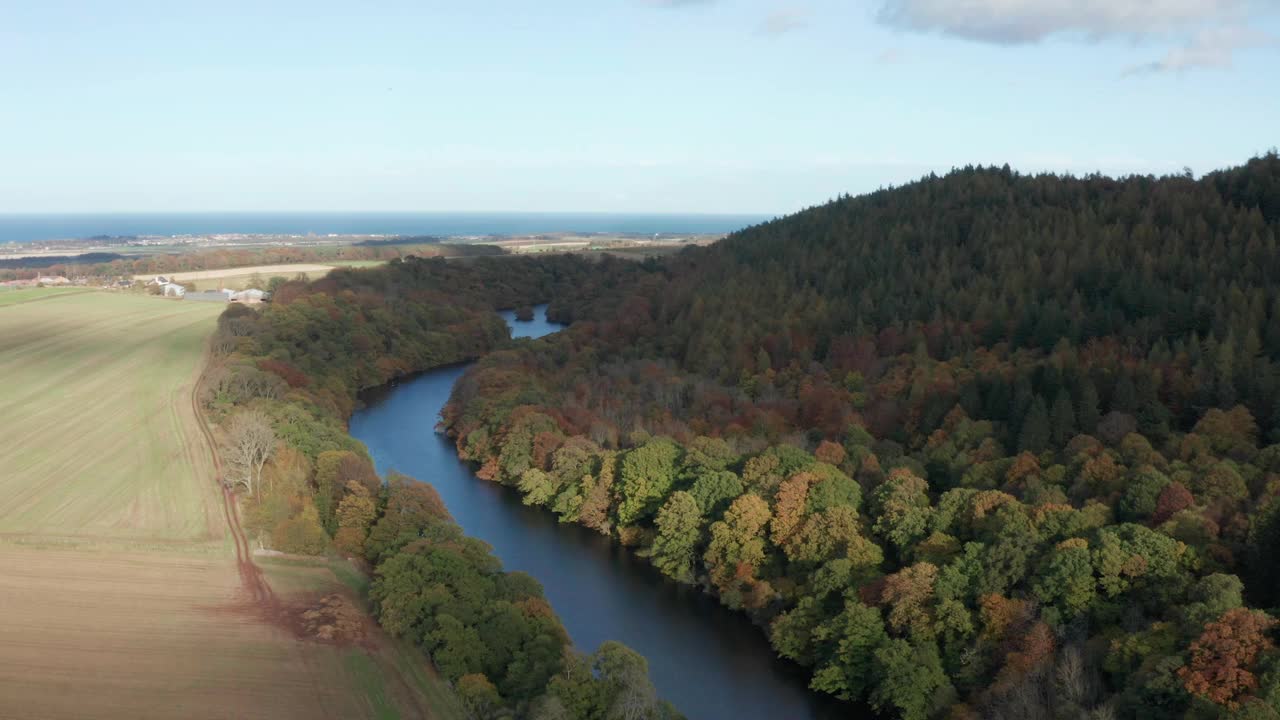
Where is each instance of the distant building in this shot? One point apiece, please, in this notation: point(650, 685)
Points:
point(216, 296)
point(54, 280)
point(173, 290)
point(251, 296)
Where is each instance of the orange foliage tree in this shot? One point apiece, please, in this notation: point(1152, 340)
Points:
point(1224, 654)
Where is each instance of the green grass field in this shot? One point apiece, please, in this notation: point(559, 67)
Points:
point(21, 295)
point(99, 437)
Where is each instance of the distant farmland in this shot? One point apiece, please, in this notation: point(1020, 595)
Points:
point(238, 278)
point(120, 589)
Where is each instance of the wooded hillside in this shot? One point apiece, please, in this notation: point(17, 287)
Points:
point(988, 444)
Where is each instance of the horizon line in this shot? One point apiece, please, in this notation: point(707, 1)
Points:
point(31, 213)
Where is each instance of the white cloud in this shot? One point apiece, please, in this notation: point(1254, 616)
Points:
point(781, 22)
point(1011, 22)
point(1211, 48)
point(1198, 33)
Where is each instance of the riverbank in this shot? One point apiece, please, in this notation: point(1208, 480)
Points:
point(710, 661)
point(290, 374)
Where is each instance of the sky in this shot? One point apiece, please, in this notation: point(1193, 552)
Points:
point(717, 106)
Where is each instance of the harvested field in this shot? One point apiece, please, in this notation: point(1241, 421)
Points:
point(265, 271)
point(125, 593)
point(241, 278)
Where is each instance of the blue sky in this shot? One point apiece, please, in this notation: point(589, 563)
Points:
point(754, 106)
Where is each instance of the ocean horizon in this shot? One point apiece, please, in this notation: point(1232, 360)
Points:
point(37, 227)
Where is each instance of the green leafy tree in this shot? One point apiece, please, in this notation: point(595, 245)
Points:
point(847, 667)
point(714, 491)
point(647, 474)
point(902, 510)
point(1067, 582)
point(912, 683)
point(675, 548)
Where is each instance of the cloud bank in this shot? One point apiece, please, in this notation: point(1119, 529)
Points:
point(1013, 22)
point(1213, 48)
point(1208, 32)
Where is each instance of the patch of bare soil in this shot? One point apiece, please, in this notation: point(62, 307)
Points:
point(334, 619)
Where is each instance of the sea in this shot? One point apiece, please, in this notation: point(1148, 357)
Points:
point(38, 227)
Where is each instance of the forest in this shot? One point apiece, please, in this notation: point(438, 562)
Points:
point(985, 445)
point(282, 387)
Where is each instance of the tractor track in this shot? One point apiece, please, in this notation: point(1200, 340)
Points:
point(250, 574)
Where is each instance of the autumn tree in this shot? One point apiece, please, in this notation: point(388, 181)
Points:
point(480, 699)
point(737, 545)
point(356, 513)
point(908, 594)
point(1223, 657)
point(250, 442)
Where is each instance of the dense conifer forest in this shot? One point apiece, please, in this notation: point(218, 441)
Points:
point(986, 445)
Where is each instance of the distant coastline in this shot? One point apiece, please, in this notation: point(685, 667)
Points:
point(22, 228)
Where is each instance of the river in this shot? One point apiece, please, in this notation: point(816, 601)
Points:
point(710, 662)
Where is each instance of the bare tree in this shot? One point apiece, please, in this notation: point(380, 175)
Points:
point(636, 698)
point(250, 443)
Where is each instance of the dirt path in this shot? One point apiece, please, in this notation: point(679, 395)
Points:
point(300, 616)
point(255, 585)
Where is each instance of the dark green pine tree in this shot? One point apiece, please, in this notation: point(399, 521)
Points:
point(1088, 415)
point(1022, 397)
point(1263, 570)
point(1063, 420)
point(1125, 397)
point(1153, 417)
point(1035, 433)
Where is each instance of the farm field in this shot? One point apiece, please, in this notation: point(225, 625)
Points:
point(19, 295)
point(95, 411)
point(239, 278)
point(123, 592)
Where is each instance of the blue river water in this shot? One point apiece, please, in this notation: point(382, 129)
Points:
point(710, 662)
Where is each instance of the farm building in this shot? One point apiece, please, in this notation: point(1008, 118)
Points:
point(250, 296)
point(173, 290)
point(216, 296)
